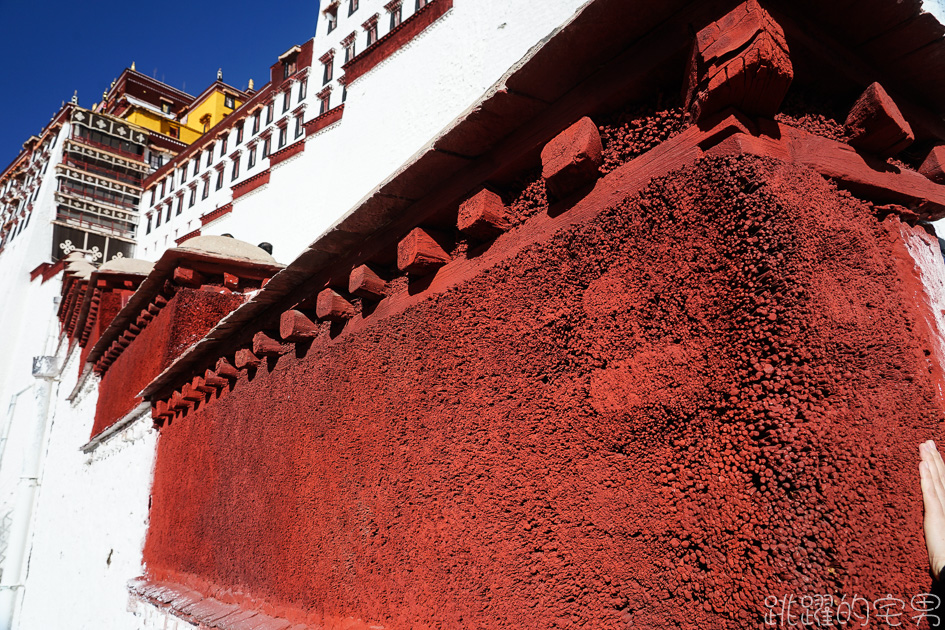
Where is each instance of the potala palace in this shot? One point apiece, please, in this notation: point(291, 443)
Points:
point(572, 314)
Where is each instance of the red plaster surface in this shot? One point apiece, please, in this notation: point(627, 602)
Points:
point(216, 213)
point(185, 319)
point(706, 395)
point(284, 154)
point(318, 123)
point(634, 132)
point(108, 307)
point(250, 184)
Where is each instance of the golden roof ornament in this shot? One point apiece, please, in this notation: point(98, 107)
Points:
point(133, 66)
point(250, 84)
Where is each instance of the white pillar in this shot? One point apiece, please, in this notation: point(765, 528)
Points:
point(14, 571)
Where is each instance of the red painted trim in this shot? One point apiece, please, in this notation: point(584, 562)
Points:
point(187, 236)
point(284, 154)
point(40, 268)
point(251, 184)
point(52, 270)
point(330, 117)
point(395, 39)
point(216, 214)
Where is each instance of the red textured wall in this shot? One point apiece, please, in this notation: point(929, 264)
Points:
point(707, 395)
point(108, 307)
point(184, 319)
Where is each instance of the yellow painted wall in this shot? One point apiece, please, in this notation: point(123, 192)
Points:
point(144, 118)
point(213, 104)
point(155, 122)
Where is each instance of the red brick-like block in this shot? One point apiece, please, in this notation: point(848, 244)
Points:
point(331, 306)
point(225, 369)
point(164, 410)
point(483, 216)
point(295, 326)
point(266, 346)
point(934, 165)
point(214, 380)
point(364, 283)
point(875, 125)
point(188, 392)
point(200, 384)
point(419, 253)
point(231, 281)
point(572, 159)
point(188, 277)
point(158, 410)
point(741, 60)
point(246, 358)
point(177, 402)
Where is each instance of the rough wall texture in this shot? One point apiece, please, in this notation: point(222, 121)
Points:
point(709, 394)
point(184, 319)
point(108, 308)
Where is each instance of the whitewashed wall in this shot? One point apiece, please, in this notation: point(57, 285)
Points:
point(936, 8)
point(390, 114)
point(30, 328)
point(27, 310)
point(90, 521)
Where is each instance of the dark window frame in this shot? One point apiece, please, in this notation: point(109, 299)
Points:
point(371, 33)
point(351, 50)
point(327, 72)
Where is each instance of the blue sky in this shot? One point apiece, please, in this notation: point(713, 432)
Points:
point(50, 49)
